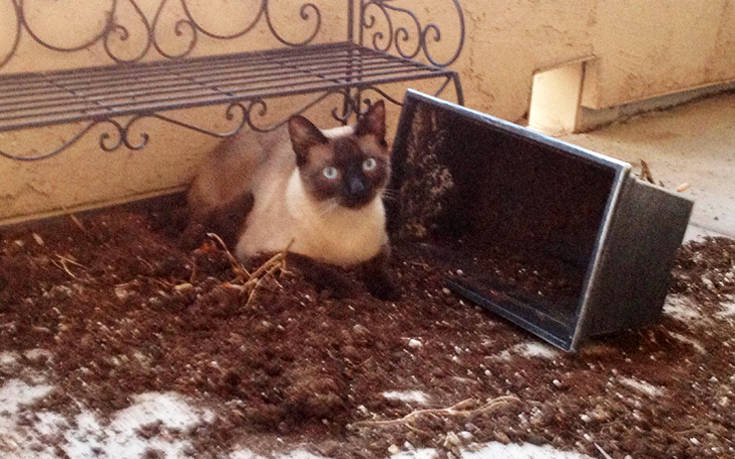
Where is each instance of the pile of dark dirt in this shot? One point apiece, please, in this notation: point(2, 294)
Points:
point(124, 309)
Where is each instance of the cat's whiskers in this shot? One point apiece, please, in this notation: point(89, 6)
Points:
point(390, 195)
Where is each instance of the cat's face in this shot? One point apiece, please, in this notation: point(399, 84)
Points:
point(352, 169)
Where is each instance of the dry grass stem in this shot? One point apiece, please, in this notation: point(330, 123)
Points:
point(71, 260)
point(602, 451)
point(250, 282)
point(462, 408)
point(277, 263)
point(62, 266)
point(237, 267)
point(646, 172)
point(77, 223)
point(61, 263)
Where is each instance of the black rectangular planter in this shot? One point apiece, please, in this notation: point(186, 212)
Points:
point(562, 241)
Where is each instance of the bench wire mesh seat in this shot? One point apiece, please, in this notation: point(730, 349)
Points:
point(242, 82)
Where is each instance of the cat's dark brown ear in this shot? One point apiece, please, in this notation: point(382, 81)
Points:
point(304, 135)
point(373, 122)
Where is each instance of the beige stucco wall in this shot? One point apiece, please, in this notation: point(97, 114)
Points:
point(648, 49)
point(640, 48)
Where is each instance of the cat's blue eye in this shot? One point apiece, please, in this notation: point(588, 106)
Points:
point(369, 164)
point(330, 172)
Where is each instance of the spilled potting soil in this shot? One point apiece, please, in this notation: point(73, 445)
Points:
point(101, 312)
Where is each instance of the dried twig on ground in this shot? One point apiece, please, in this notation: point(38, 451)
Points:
point(237, 267)
point(250, 282)
point(646, 172)
point(459, 409)
point(77, 222)
point(267, 270)
point(602, 451)
point(62, 261)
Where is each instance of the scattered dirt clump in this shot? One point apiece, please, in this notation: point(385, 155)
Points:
point(705, 270)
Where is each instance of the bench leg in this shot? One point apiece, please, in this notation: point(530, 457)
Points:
point(453, 78)
point(458, 88)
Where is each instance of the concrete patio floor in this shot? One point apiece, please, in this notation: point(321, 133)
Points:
point(692, 143)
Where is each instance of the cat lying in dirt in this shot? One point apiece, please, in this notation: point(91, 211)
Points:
point(317, 193)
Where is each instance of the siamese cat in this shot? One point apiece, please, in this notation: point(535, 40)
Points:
point(319, 193)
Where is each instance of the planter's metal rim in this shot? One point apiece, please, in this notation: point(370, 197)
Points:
point(594, 265)
point(622, 172)
point(413, 95)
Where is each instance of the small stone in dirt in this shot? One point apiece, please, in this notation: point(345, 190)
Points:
point(60, 292)
point(446, 291)
point(502, 437)
point(537, 440)
point(19, 243)
point(471, 427)
point(8, 362)
point(709, 284)
point(413, 343)
point(329, 448)
point(150, 430)
point(185, 287)
point(121, 293)
point(393, 449)
point(361, 330)
point(466, 435)
point(153, 453)
point(38, 355)
point(451, 440)
point(38, 239)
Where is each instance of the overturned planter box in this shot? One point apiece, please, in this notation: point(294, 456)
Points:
point(559, 240)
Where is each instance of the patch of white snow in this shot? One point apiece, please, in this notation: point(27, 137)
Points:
point(536, 349)
point(691, 341)
point(530, 349)
point(421, 453)
point(727, 310)
point(408, 396)
point(8, 360)
point(121, 439)
point(16, 392)
point(520, 451)
point(641, 386)
point(681, 308)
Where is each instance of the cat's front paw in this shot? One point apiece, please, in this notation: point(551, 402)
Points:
point(384, 288)
point(193, 236)
point(328, 280)
point(336, 290)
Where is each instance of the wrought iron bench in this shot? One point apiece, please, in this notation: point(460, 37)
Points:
point(133, 87)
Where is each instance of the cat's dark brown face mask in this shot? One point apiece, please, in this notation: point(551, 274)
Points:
point(351, 169)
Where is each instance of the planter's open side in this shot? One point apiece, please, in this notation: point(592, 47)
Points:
point(590, 246)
